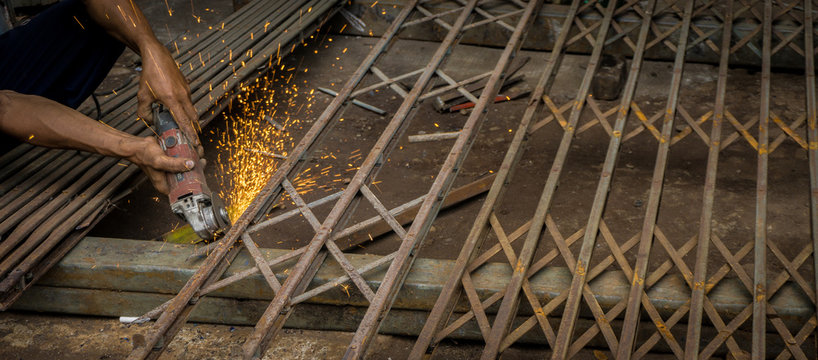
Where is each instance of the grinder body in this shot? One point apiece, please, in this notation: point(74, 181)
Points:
point(189, 196)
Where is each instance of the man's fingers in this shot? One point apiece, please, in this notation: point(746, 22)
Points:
point(143, 110)
point(191, 112)
point(160, 182)
point(158, 179)
point(172, 164)
point(184, 121)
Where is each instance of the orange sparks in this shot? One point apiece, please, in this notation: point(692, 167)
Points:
point(170, 11)
point(78, 22)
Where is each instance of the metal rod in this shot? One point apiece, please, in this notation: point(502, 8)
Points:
point(19, 274)
point(381, 84)
point(759, 288)
point(392, 83)
point(42, 224)
point(361, 104)
point(637, 295)
point(812, 130)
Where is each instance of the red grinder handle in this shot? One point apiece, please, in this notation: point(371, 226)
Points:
point(176, 144)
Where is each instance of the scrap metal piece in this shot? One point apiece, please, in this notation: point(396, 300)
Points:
point(609, 78)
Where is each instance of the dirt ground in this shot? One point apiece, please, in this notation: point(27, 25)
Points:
point(27, 336)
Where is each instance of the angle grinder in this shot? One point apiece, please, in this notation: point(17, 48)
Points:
point(189, 196)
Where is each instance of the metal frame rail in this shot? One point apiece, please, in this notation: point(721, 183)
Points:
point(500, 335)
point(295, 288)
point(50, 198)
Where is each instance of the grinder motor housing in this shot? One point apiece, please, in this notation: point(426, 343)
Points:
point(189, 196)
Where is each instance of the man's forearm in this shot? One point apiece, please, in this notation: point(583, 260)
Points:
point(160, 79)
point(43, 122)
point(123, 20)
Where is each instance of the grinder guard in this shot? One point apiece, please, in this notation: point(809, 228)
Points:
point(189, 196)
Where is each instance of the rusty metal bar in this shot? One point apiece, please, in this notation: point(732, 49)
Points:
point(269, 322)
point(17, 277)
point(395, 87)
point(444, 305)
point(261, 264)
point(486, 15)
point(697, 301)
point(431, 16)
point(637, 295)
point(273, 187)
point(437, 20)
point(453, 83)
point(760, 245)
point(812, 132)
point(386, 82)
point(492, 18)
point(398, 270)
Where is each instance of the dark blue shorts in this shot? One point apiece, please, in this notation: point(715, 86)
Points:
point(61, 54)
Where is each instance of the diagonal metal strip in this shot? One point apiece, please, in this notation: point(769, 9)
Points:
point(336, 253)
point(182, 301)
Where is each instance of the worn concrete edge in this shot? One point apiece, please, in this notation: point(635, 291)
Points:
point(231, 311)
point(163, 268)
point(547, 26)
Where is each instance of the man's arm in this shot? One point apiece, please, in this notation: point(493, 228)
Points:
point(44, 122)
point(161, 79)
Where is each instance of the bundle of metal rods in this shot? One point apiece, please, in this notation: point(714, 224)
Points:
point(49, 199)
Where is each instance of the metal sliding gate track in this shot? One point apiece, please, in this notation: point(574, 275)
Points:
point(574, 318)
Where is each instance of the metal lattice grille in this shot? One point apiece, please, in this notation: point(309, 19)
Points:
point(653, 253)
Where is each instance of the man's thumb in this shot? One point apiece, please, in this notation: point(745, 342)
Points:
point(175, 165)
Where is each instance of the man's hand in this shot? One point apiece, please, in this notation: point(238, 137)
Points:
point(162, 81)
point(48, 123)
point(156, 165)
